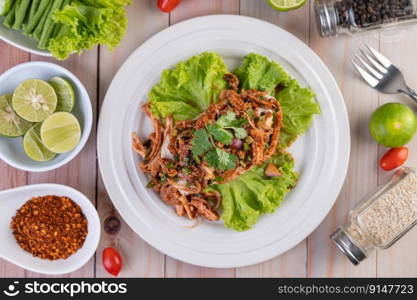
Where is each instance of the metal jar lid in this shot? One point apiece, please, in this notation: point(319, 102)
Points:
point(326, 18)
point(346, 245)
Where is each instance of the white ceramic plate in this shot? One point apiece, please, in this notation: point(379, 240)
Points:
point(321, 154)
point(21, 41)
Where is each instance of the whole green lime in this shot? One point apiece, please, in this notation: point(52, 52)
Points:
point(393, 125)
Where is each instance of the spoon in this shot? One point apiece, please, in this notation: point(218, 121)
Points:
point(11, 200)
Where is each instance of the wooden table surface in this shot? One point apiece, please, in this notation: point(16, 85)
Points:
point(315, 256)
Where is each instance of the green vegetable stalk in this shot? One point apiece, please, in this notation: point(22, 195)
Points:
point(37, 33)
point(49, 25)
point(9, 20)
point(33, 8)
point(21, 10)
point(5, 6)
point(36, 14)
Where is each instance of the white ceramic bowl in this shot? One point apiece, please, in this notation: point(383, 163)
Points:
point(12, 200)
point(11, 149)
point(21, 41)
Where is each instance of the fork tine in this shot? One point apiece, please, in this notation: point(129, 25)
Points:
point(381, 59)
point(369, 68)
point(377, 65)
point(366, 76)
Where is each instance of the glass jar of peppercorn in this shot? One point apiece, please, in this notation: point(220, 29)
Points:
point(352, 16)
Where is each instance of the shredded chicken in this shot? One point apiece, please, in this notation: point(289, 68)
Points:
point(232, 80)
point(180, 178)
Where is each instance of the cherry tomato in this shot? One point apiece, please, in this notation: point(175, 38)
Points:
point(112, 261)
point(168, 5)
point(394, 158)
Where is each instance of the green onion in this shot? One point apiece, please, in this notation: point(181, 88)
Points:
point(150, 184)
point(163, 178)
point(218, 178)
point(251, 113)
point(249, 139)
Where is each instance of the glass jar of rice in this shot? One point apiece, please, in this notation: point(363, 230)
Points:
point(381, 219)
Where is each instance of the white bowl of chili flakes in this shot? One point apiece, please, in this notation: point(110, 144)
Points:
point(14, 199)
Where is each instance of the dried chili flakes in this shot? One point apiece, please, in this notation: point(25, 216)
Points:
point(50, 227)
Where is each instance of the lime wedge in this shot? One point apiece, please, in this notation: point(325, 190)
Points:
point(33, 146)
point(61, 132)
point(11, 125)
point(34, 100)
point(286, 5)
point(65, 93)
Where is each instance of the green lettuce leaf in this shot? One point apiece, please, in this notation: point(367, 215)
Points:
point(258, 72)
point(298, 104)
point(188, 89)
point(298, 108)
point(253, 194)
point(87, 23)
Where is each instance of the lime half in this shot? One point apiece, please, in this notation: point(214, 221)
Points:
point(33, 146)
point(286, 5)
point(11, 125)
point(61, 132)
point(65, 93)
point(34, 100)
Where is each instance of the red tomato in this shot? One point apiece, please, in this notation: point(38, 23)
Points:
point(394, 158)
point(168, 5)
point(112, 261)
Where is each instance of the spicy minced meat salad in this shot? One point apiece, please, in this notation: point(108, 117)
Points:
point(217, 149)
point(183, 158)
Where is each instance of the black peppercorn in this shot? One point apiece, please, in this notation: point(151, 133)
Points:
point(366, 13)
point(112, 224)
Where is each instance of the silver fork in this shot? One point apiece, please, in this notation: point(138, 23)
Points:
point(380, 73)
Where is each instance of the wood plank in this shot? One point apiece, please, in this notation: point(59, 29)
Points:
point(296, 21)
point(141, 260)
point(401, 259)
point(186, 10)
point(80, 173)
point(11, 177)
point(324, 260)
point(293, 262)
point(195, 8)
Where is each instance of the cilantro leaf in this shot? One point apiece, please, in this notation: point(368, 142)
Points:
point(221, 135)
point(221, 159)
point(238, 123)
point(240, 133)
point(226, 119)
point(229, 121)
point(200, 143)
